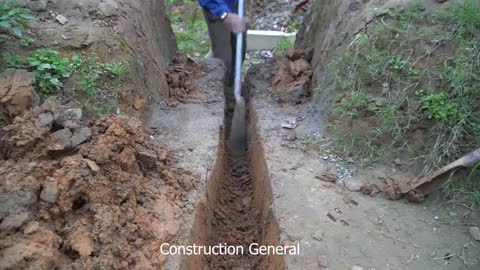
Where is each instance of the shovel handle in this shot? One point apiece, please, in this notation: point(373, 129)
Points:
point(238, 56)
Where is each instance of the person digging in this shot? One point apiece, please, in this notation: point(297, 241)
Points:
point(226, 27)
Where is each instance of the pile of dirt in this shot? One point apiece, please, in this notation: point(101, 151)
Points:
point(181, 75)
point(236, 221)
point(78, 197)
point(292, 76)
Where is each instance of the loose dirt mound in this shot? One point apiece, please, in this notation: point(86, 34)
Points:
point(292, 76)
point(181, 75)
point(108, 203)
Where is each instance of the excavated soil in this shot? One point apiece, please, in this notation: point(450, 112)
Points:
point(235, 220)
point(181, 77)
point(107, 203)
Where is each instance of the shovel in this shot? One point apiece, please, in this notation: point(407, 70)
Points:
point(433, 181)
point(238, 134)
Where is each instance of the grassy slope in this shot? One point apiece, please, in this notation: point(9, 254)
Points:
point(409, 87)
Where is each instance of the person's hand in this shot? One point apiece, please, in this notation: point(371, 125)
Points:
point(235, 23)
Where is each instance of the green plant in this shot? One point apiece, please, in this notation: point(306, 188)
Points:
point(466, 16)
point(441, 107)
point(13, 18)
point(398, 63)
point(191, 31)
point(115, 70)
point(50, 70)
point(11, 60)
point(380, 75)
point(27, 41)
point(91, 70)
point(283, 44)
point(464, 190)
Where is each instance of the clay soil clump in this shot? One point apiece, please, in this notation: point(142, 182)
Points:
point(96, 196)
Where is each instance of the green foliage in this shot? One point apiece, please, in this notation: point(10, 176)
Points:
point(466, 16)
point(283, 44)
point(10, 60)
point(466, 191)
point(50, 70)
point(442, 108)
point(115, 70)
point(382, 81)
point(27, 41)
point(91, 71)
point(189, 26)
point(13, 18)
point(354, 105)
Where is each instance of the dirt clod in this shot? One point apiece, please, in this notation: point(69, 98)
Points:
point(370, 189)
point(180, 78)
point(292, 76)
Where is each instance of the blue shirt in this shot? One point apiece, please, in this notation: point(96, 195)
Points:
point(218, 7)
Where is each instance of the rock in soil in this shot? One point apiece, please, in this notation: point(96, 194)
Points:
point(323, 261)
point(475, 233)
point(318, 235)
point(49, 192)
point(353, 185)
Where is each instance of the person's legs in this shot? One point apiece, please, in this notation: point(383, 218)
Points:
point(223, 47)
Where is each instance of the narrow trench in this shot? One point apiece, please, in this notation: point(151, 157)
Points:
point(237, 211)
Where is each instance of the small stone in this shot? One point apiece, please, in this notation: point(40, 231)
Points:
point(475, 233)
point(49, 192)
point(108, 8)
point(398, 162)
point(318, 235)
point(60, 140)
point(61, 19)
point(138, 103)
point(323, 261)
point(46, 119)
point(380, 101)
point(15, 221)
point(80, 136)
point(73, 114)
point(172, 228)
point(147, 158)
point(31, 227)
point(92, 165)
point(353, 185)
